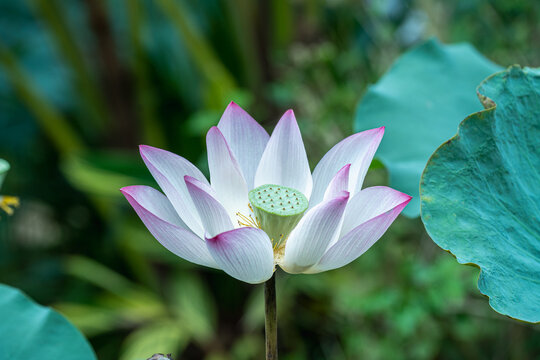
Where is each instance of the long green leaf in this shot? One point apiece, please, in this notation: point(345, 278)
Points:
point(219, 80)
point(52, 13)
point(153, 133)
point(52, 122)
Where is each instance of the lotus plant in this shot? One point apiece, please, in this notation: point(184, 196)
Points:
point(263, 207)
point(7, 203)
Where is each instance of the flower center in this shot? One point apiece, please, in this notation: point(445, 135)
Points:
point(277, 209)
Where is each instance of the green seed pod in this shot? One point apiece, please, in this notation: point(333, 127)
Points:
point(160, 357)
point(278, 209)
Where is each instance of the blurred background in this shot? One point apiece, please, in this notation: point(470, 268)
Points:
point(83, 82)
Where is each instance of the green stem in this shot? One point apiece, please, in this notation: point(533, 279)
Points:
point(270, 322)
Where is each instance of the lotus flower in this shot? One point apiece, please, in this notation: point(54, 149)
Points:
point(7, 203)
point(263, 207)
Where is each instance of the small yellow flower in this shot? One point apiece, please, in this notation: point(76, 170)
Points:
point(7, 203)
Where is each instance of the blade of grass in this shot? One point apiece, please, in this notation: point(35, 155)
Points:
point(52, 122)
point(101, 276)
point(219, 80)
point(282, 27)
point(242, 15)
point(94, 105)
point(153, 133)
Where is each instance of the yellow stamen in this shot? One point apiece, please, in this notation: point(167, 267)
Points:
point(277, 244)
point(8, 202)
point(248, 220)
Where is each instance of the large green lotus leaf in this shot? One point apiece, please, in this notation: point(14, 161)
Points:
point(421, 100)
point(29, 331)
point(480, 193)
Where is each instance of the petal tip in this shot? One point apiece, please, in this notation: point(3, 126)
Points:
point(289, 112)
point(127, 190)
point(406, 200)
point(212, 239)
point(406, 197)
point(213, 130)
point(145, 150)
point(340, 198)
point(233, 107)
point(189, 179)
point(288, 119)
point(221, 237)
point(343, 195)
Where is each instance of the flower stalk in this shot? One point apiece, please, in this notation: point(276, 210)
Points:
point(270, 322)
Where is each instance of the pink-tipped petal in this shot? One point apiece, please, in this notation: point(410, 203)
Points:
point(369, 203)
point(169, 170)
point(338, 184)
point(357, 150)
point(159, 216)
point(284, 161)
point(214, 217)
point(310, 238)
point(246, 138)
point(357, 241)
point(245, 254)
point(225, 175)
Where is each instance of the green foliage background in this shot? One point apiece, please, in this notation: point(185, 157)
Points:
point(83, 82)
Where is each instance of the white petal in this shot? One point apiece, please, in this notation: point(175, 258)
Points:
point(169, 170)
point(213, 215)
point(225, 175)
point(339, 183)
point(369, 203)
point(246, 138)
point(357, 150)
point(310, 238)
point(284, 161)
point(357, 241)
point(245, 254)
point(159, 216)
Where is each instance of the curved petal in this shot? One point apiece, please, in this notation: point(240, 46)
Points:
point(284, 161)
point(161, 219)
point(169, 170)
point(245, 254)
point(338, 184)
point(246, 138)
point(310, 238)
point(369, 203)
point(214, 217)
point(357, 150)
point(357, 241)
point(225, 175)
